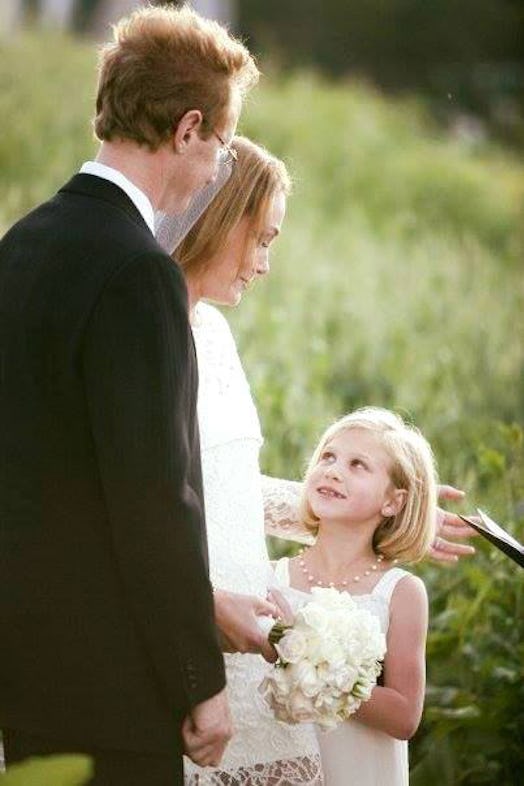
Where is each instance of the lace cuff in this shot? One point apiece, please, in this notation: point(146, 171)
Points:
point(281, 498)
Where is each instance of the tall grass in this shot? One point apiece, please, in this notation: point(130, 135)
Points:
point(398, 281)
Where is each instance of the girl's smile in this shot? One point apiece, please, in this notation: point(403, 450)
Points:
point(327, 491)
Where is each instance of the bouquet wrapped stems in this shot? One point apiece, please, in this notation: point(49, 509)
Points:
point(277, 631)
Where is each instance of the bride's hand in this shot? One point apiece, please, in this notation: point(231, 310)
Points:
point(449, 525)
point(237, 619)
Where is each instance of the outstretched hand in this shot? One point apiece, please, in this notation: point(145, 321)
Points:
point(449, 525)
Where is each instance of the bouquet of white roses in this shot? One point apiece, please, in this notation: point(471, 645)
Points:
point(328, 663)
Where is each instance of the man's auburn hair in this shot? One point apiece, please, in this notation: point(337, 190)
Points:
point(162, 63)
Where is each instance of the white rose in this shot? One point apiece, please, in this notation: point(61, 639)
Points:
point(292, 646)
point(351, 705)
point(331, 599)
point(342, 622)
point(301, 707)
point(344, 678)
point(326, 722)
point(280, 681)
point(367, 636)
point(331, 650)
point(315, 649)
point(330, 703)
point(315, 617)
point(304, 675)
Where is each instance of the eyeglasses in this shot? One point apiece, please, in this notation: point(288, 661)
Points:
point(227, 154)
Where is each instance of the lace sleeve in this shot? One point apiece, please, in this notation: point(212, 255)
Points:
point(281, 499)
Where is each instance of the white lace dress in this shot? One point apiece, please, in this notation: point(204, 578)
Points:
point(263, 752)
point(354, 754)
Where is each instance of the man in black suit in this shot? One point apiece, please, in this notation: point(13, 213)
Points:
point(106, 610)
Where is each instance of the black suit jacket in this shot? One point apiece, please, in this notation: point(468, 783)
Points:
point(106, 616)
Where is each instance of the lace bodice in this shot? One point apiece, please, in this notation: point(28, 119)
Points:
point(225, 406)
point(262, 751)
point(226, 413)
point(230, 440)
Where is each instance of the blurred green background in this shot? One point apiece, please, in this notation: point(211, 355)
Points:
point(398, 281)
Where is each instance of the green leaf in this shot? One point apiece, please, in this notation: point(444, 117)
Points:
point(62, 770)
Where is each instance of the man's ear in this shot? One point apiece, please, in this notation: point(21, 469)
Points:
point(394, 503)
point(188, 125)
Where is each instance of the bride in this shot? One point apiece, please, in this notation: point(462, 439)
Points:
point(221, 256)
point(223, 253)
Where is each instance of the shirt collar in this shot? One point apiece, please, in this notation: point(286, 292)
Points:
point(139, 199)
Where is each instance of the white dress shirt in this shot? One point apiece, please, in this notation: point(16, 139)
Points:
point(139, 199)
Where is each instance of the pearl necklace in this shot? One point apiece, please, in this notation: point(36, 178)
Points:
point(341, 584)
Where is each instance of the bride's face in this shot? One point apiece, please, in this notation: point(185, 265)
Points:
point(244, 258)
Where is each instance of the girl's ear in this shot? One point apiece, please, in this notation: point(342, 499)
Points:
point(394, 503)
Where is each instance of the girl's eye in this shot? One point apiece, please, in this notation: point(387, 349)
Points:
point(358, 463)
point(326, 455)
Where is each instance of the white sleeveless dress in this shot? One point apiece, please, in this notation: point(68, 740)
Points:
point(262, 752)
point(354, 754)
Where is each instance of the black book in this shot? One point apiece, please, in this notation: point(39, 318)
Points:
point(493, 532)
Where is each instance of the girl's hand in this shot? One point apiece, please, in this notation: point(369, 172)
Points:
point(449, 525)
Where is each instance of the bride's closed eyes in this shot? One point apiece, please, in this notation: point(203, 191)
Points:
point(266, 238)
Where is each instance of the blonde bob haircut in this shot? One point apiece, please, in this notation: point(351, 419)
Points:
point(161, 63)
point(407, 535)
point(256, 178)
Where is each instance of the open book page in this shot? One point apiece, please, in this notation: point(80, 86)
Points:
point(497, 536)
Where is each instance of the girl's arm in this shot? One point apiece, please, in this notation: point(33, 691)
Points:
point(396, 708)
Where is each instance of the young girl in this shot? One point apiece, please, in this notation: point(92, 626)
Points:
point(369, 494)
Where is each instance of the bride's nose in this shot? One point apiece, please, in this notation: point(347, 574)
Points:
point(262, 267)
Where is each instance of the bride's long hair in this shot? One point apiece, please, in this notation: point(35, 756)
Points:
point(256, 178)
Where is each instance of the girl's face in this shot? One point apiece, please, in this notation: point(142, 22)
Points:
point(351, 482)
point(241, 261)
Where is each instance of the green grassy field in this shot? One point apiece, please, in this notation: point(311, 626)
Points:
point(398, 281)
